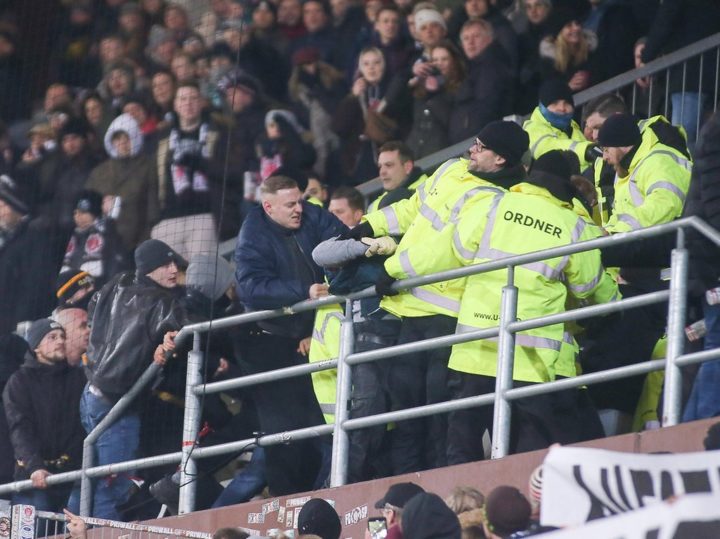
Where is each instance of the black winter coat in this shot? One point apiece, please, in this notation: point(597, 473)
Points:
point(484, 96)
point(704, 201)
point(42, 408)
point(28, 269)
point(129, 318)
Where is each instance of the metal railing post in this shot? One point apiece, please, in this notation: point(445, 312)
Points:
point(86, 485)
point(504, 375)
point(341, 438)
point(675, 332)
point(191, 425)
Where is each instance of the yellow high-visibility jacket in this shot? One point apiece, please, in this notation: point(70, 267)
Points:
point(433, 208)
point(654, 189)
point(507, 224)
point(544, 138)
point(603, 210)
point(325, 344)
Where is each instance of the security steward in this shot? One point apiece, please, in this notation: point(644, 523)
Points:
point(551, 125)
point(431, 311)
point(652, 178)
point(534, 215)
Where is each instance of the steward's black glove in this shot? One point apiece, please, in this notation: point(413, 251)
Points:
point(384, 283)
point(592, 153)
point(363, 230)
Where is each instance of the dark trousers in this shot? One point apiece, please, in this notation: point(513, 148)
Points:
point(562, 417)
point(284, 405)
point(618, 340)
point(368, 458)
point(414, 380)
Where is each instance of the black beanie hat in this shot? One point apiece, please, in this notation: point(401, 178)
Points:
point(506, 511)
point(151, 254)
point(89, 201)
point(10, 194)
point(39, 329)
point(69, 282)
point(427, 516)
point(619, 130)
point(555, 90)
point(553, 162)
point(74, 126)
point(552, 171)
point(507, 139)
point(319, 518)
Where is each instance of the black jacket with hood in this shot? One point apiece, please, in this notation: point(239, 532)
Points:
point(41, 405)
point(129, 318)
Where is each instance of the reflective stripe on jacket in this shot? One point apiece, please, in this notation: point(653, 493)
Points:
point(654, 189)
point(507, 224)
point(433, 208)
point(544, 138)
point(325, 344)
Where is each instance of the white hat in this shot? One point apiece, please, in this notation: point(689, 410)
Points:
point(426, 16)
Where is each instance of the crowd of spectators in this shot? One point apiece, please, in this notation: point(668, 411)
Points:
point(169, 128)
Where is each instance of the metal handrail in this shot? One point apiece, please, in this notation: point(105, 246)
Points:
point(349, 358)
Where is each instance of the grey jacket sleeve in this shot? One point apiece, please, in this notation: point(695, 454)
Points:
point(334, 253)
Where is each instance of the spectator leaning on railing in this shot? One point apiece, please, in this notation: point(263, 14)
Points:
point(129, 318)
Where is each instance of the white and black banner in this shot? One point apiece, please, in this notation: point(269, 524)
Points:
point(580, 485)
point(692, 516)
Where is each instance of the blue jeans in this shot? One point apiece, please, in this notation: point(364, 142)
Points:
point(704, 399)
point(52, 499)
point(246, 484)
point(117, 444)
point(685, 112)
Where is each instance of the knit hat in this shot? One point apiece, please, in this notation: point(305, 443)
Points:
point(563, 14)
point(426, 16)
point(209, 275)
point(507, 139)
point(555, 90)
point(399, 494)
point(89, 201)
point(10, 194)
point(237, 78)
point(39, 329)
point(506, 511)
point(74, 126)
point(554, 163)
point(426, 516)
point(318, 517)
point(151, 254)
point(69, 282)
point(619, 130)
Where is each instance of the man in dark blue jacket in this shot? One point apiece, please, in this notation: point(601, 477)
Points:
point(275, 269)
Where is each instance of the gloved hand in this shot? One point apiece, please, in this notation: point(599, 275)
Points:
point(384, 246)
point(592, 152)
point(384, 283)
point(360, 231)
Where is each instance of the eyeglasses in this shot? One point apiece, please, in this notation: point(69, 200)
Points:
point(479, 145)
